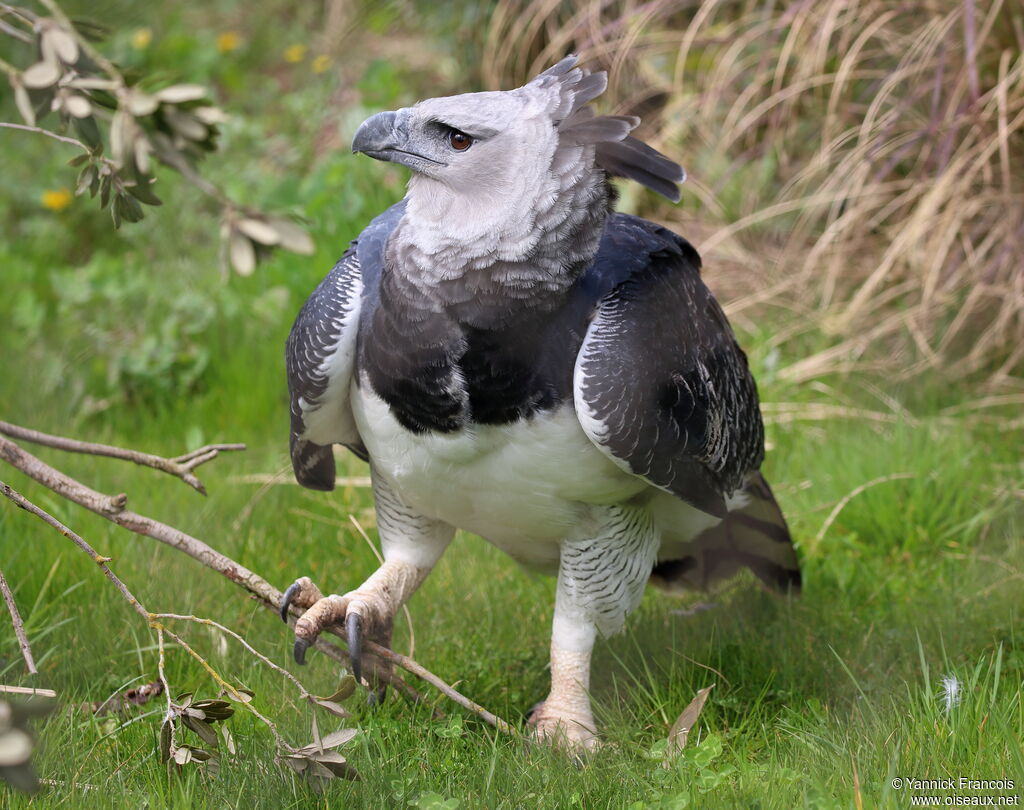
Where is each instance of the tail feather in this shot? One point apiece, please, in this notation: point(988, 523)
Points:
point(313, 464)
point(753, 536)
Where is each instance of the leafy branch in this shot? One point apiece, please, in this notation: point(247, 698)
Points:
point(316, 760)
point(199, 715)
point(123, 128)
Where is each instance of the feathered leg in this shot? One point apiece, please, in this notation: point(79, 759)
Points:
point(565, 717)
point(601, 579)
point(411, 545)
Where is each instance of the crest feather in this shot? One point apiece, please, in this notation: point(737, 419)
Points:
point(616, 151)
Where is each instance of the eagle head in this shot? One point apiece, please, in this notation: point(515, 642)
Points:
point(498, 168)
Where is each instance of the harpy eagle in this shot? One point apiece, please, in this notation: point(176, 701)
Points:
point(515, 359)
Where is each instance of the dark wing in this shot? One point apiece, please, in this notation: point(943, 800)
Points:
point(320, 358)
point(662, 387)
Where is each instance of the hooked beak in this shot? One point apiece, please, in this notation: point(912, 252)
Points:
point(381, 137)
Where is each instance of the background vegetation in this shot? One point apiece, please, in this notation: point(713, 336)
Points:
point(855, 192)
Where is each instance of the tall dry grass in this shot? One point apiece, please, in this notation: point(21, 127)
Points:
point(856, 162)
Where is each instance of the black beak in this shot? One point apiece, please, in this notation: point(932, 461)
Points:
point(376, 136)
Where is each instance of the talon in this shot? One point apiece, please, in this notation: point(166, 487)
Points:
point(354, 630)
point(286, 600)
point(299, 651)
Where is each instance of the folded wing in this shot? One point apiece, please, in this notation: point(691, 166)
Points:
point(661, 385)
point(320, 358)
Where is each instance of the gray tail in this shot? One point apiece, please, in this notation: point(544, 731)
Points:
point(754, 536)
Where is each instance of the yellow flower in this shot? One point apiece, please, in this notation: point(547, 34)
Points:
point(57, 200)
point(228, 41)
point(141, 38)
point(294, 53)
point(321, 63)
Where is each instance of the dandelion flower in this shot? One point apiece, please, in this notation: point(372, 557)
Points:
point(295, 53)
point(950, 692)
point(56, 200)
point(141, 38)
point(228, 41)
point(321, 63)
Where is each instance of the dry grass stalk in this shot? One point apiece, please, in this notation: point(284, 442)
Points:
point(863, 160)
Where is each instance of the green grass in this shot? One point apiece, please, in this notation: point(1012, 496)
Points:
point(915, 580)
point(819, 701)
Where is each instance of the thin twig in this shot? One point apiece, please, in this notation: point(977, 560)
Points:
point(21, 501)
point(27, 690)
point(263, 591)
point(420, 672)
point(232, 692)
point(161, 666)
point(304, 693)
point(19, 626)
point(180, 466)
point(47, 133)
point(16, 33)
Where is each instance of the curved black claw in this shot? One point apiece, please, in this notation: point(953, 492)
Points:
point(286, 601)
point(301, 645)
point(354, 630)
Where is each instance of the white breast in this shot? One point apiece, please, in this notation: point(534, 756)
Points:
point(522, 486)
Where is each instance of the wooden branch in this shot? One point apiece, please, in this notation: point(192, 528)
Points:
point(19, 626)
point(23, 502)
point(31, 691)
point(411, 666)
point(180, 466)
point(259, 588)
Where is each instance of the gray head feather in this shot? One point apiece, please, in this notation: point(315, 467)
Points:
point(502, 177)
point(617, 152)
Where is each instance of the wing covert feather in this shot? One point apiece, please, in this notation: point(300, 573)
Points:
point(320, 363)
point(662, 387)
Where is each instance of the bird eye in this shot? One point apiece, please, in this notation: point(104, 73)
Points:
point(460, 141)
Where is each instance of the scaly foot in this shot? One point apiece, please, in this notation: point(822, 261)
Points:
point(571, 729)
point(360, 610)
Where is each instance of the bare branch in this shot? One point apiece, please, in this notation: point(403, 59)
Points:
point(47, 133)
point(19, 626)
point(23, 502)
point(32, 691)
point(304, 693)
point(180, 466)
point(263, 591)
point(150, 618)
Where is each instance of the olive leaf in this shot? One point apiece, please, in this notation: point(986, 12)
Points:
point(41, 74)
point(242, 253)
point(680, 731)
point(319, 762)
point(17, 742)
point(174, 125)
point(57, 44)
